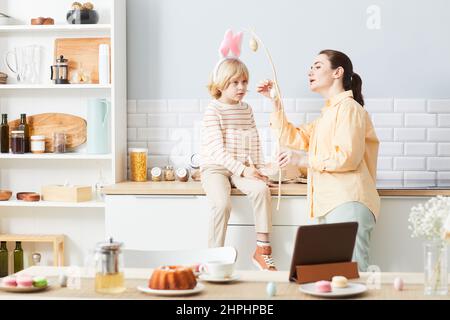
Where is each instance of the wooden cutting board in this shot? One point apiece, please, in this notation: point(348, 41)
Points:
point(47, 123)
point(81, 52)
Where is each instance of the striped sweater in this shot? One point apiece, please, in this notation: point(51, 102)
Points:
point(230, 137)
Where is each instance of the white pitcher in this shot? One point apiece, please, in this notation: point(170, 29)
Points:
point(98, 126)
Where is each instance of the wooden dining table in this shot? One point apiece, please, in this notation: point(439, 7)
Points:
point(251, 285)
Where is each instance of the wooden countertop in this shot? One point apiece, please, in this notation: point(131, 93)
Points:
point(251, 285)
point(195, 188)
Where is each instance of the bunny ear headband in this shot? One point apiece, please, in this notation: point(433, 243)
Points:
point(230, 43)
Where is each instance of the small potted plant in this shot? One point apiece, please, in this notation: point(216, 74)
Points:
point(428, 221)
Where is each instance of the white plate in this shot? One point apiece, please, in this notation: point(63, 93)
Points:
point(22, 289)
point(351, 290)
point(170, 293)
point(206, 277)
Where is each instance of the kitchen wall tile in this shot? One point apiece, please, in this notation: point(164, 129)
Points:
point(131, 106)
point(309, 105)
point(261, 120)
point(156, 161)
point(410, 105)
point(288, 104)
point(161, 148)
point(443, 179)
point(136, 120)
point(183, 105)
point(390, 149)
point(203, 104)
point(385, 163)
point(389, 179)
point(137, 144)
point(131, 134)
point(444, 149)
point(296, 119)
point(189, 120)
point(420, 120)
point(439, 164)
point(162, 120)
point(420, 149)
point(378, 105)
point(385, 134)
point(439, 106)
point(151, 106)
point(387, 120)
point(311, 117)
point(265, 134)
point(256, 104)
point(444, 120)
point(438, 135)
point(419, 179)
point(410, 163)
point(152, 134)
point(409, 134)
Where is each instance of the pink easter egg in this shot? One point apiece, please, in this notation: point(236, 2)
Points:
point(398, 284)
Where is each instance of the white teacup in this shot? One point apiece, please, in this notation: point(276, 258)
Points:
point(218, 269)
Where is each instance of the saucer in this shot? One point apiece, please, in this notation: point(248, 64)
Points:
point(209, 278)
point(23, 289)
point(352, 289)
point(170, 293)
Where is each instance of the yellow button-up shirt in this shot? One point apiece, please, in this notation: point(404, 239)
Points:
point(343, 148)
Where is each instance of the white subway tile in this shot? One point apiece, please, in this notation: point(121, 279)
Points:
point(189, 120)
point(384, 163)
point(136, 120)
point(444, 149)
point(439, 106)
point(183, 105)
point(288, 104)
point(151, 106)
point(443, 179)
point(420, 120)
point(156, 161)
point(388, 120)
point(389, 179)
point(131, 106)
point(131, 134)
point(410, 134)
point(384, 134)
point(378, 105)
point(261, 120)
point(438, 135)
point(410, 105)
point(204, 103)
point(162, 120)
point(409, 163)
point(439, 164)
point(309, 105)
point(444, 120)
point(390, 149)
point(160, 148)
point(419, 179)
point(420, 149)
point(187, 136)
point(255, 104)
point(136, 144)
point(152, 134)
point(296, 119)
point(311, 117)
point(265, 134)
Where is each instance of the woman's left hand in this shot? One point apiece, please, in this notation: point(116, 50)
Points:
point(298, 159)
point(264, 88)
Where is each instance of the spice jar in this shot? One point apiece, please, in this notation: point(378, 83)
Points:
point(59, 142)
point(169, 173)
point(18, 142)
point(37, 144)
point(138, 164)
point(182, 174)
point(156, 173)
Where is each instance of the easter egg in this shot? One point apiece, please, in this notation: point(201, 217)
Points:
point(398, 284)
point(271, 289)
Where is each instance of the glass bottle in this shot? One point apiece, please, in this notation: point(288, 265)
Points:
point(18, 257)
point(23, 126)
point(4, 134)
point(3, 260)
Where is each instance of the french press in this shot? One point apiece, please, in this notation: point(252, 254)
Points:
point(60, 71)
point(109, 277)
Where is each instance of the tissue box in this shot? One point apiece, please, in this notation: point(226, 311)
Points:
point(66, 193)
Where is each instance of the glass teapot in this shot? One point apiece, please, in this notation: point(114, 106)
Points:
point(109, 276)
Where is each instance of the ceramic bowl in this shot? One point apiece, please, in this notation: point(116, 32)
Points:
point(5, 195)
point(82, 16)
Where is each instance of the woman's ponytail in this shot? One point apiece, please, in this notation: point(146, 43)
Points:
point(356, 88)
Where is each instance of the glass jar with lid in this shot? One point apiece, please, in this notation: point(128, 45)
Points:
point(37, 144)
point(109, 277)
point(169, 173)
point(138, 164)
point(18, 142)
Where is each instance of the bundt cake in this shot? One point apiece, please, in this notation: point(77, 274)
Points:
point(172, 278)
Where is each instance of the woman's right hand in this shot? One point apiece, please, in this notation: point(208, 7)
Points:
point(264, 88)
point(253, 173)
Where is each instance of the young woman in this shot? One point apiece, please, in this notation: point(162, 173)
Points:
point(342, 149)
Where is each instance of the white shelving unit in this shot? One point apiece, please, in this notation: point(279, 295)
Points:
point(23, 172)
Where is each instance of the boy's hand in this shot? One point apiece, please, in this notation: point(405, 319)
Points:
point(253, 173)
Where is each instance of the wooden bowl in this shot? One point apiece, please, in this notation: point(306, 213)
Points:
point(5, 195)
point(28, 196)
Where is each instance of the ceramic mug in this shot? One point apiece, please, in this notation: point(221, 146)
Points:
point(218, 269)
